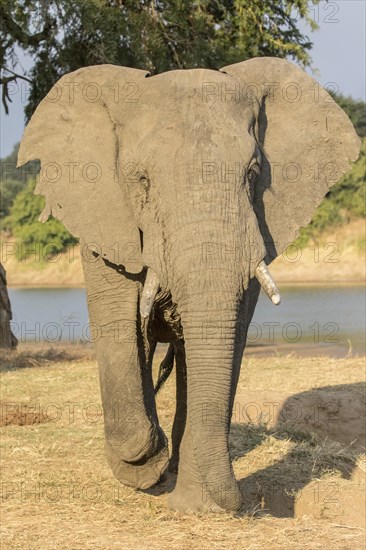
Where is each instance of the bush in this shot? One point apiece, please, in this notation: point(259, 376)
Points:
point(8, 191)
point(47, 239)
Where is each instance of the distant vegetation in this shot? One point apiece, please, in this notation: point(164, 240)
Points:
point(356, 110)
point(20, 209)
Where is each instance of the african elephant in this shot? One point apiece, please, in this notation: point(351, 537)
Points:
point(182, 188)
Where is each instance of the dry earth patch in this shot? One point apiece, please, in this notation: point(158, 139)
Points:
point(297, 444)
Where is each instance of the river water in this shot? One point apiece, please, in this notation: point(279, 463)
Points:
point(329, 320)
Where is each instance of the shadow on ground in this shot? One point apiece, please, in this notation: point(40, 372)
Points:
point(326, 427)
point(318, 476)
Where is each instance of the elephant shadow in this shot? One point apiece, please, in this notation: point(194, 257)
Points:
point(325, 431)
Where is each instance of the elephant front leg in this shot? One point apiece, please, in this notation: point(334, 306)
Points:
point(136, 447)
point(191, 493)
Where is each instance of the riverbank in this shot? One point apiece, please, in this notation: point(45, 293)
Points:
point(338, 256)
point(310, 320)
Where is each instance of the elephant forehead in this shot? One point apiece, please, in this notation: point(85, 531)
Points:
point(205, 84)
point(189, 90)
point(173, 144)
point(186, 109)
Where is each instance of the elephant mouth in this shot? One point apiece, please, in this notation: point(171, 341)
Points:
point(151, 286)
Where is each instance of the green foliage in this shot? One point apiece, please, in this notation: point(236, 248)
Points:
point(13, 179)
point(47, 239)
point(8, 191)
point(355, 109)
point(8, 170)
point(158, 35)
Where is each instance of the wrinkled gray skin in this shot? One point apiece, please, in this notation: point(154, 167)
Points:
point(197, 175)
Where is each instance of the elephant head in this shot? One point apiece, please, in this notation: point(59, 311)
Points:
point(202, 177)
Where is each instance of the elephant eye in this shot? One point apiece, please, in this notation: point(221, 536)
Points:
point(253, 173)
point(144, 181)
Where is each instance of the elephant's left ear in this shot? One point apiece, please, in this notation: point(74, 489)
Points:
point(77, 134)
point(308, 143)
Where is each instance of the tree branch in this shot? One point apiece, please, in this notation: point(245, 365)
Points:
point(15, 74)
point(5, 98)
point(4, 81)
point(20, 35)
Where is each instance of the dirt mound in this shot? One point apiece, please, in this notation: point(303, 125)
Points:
point(332, 499)
point(334, 412)
point(310, 451)
point(31, 356)
point(16, 414)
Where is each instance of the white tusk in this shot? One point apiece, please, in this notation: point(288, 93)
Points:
point(267, 283)
point(148, 294)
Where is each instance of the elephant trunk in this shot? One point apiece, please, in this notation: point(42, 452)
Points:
point(210, 334)
point(212, 265)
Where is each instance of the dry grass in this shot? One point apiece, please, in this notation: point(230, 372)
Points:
point(33, 357)
point(59, 493)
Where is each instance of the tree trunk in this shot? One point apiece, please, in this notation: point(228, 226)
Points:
point(7, 338)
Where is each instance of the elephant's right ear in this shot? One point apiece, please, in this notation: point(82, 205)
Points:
point(307, 142)
point(74, 132)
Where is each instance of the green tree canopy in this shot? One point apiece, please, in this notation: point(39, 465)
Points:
point(158, 35)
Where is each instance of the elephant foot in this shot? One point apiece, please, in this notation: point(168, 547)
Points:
point(140, 474)
point(192, 493)
point(192, 499)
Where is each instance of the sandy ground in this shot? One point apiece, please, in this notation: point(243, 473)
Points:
point(337, 256)
point(297, 443)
